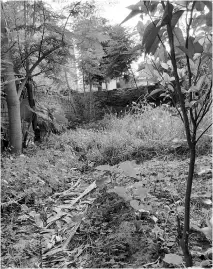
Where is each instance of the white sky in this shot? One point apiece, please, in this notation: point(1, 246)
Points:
point(113, 10)
point(117, 12)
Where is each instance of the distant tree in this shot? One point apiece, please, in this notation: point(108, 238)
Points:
point(119, 52)
point(90, 33)
point(105, 51)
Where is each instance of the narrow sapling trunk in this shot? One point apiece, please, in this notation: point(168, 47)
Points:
point(185, 237)
point(191, 144)
point(84, 83)
point(90, 99)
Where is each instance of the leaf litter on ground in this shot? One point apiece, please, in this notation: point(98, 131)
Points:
point(133, 211)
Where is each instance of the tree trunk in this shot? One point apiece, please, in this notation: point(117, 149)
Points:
point(84, 83)
point(185, 238)
point(90, 99)
point(12, 99)
point(191, 143)
point(134, 78)
point(70, 92)
point(33, 118)
point(31, 100)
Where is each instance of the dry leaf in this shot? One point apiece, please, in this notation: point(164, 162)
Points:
point(173, 259)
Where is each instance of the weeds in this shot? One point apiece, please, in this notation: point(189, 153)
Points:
point(146, 132)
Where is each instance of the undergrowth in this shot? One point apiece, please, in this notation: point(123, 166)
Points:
point(146, 133)
point(31, 180)
point(140, 136)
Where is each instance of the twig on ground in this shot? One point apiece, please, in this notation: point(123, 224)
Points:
point(67, 192)
point(151, 262)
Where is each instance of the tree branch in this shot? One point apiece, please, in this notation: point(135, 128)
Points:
point(34, 66)
point(71, 12)
point(41, 58)
point(203, 133)
point(205, 104)
point(178, 87)
point(42, 37)
point(188, 63)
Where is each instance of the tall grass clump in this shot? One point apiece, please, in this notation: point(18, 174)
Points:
point(154, 126)
point(141, 133)
point(159, 127)
point(134, 135)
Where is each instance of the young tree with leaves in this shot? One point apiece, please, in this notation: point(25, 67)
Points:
point(181, 61)
point(89, 34)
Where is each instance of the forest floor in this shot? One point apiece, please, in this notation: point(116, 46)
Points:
point(99, 228)
point(65, 206)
